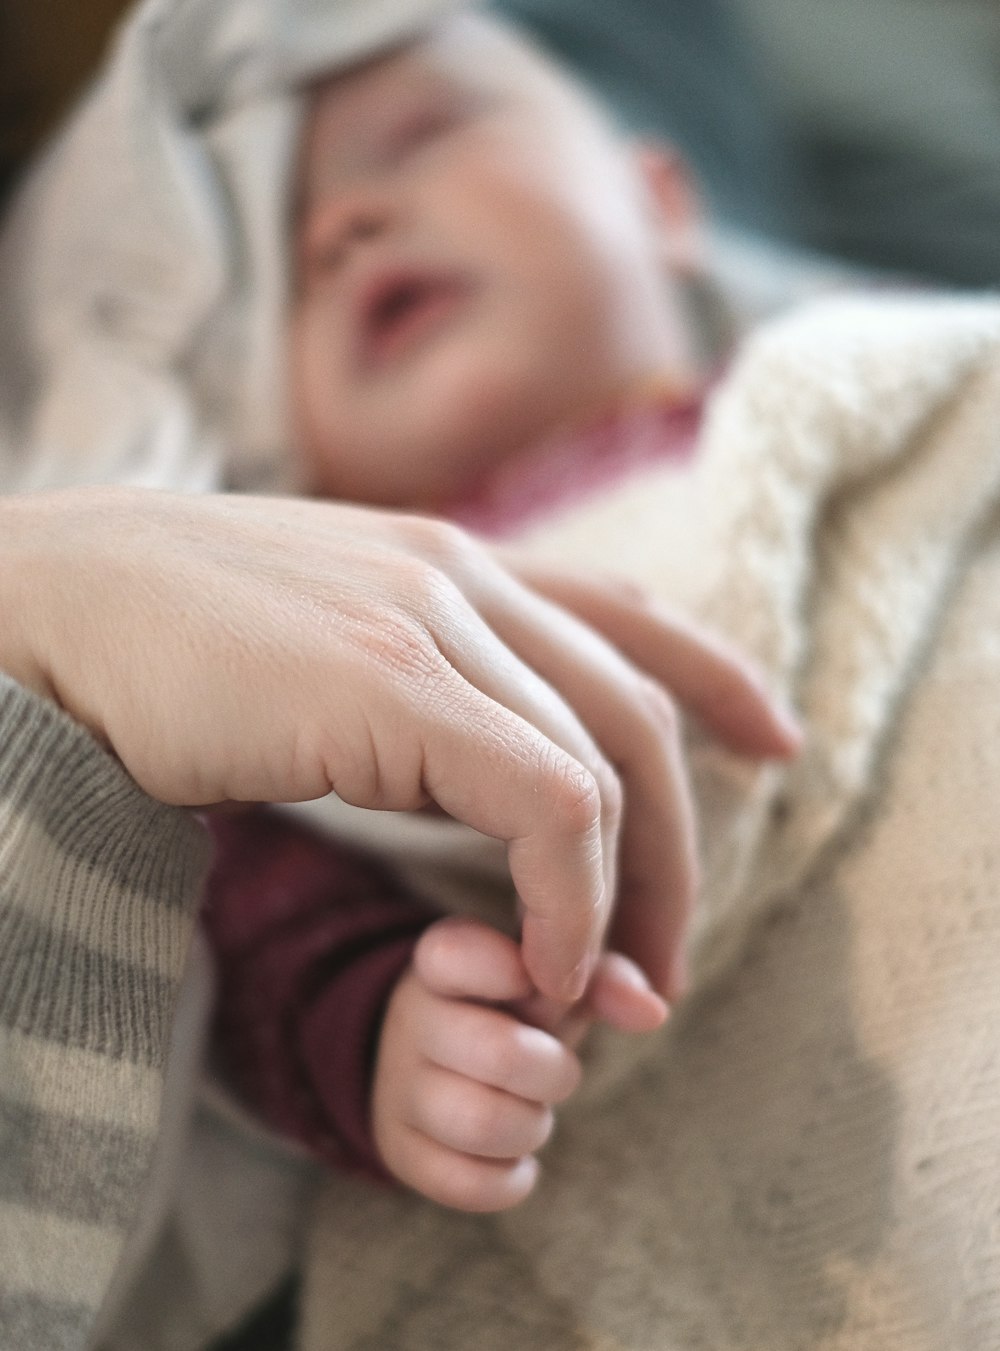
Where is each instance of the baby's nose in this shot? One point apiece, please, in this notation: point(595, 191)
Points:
point(365, 221)
point(354, 219)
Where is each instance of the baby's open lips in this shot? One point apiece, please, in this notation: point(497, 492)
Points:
point(401, 308)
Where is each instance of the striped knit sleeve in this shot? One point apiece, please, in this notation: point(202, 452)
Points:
point(98, 890)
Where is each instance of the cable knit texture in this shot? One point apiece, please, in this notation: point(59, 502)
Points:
point(807, 1156)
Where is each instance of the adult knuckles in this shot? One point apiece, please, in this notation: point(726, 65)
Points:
point(418, 586)
point(578, 796)
point(443, 545)
point(399, 645)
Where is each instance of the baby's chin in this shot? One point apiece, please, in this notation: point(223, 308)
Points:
point(405, 476)
point(430, 441)
point(492, 419)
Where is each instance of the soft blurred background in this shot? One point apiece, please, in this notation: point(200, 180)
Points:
point(864, 129)
point(869, 129)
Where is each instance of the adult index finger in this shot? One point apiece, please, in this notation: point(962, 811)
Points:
point(704, 672)
point(635, 725)
point(492, 769)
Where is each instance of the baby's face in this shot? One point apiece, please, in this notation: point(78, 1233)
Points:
point(476, 263)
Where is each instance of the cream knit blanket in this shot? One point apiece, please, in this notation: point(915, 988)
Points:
point(809, 1156)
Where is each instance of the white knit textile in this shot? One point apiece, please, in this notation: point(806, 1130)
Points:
point(807, 1156)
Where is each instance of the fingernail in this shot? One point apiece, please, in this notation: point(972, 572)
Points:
point(578, 979)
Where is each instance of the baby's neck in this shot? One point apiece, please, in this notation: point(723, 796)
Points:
point(653, 420)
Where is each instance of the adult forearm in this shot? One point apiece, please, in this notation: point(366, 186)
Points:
point(98, 890)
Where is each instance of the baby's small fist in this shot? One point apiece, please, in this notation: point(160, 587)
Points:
point(463, 1090)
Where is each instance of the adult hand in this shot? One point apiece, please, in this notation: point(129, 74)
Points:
point(711, 680)
point(254, 649)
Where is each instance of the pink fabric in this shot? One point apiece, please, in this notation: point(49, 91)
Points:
point(577, 464)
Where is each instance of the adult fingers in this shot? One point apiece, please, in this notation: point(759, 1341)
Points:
point(707, 675)
point(484, 654)
point(494, 770)
point(634, 723)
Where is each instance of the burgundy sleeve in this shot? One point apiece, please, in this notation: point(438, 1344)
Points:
point(310, 938)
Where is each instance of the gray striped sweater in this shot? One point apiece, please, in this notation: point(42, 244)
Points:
point(98, 891)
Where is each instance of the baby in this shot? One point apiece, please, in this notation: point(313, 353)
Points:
point(483, 272)
point(479, 260)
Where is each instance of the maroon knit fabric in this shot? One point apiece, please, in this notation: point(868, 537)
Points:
point(310, 939)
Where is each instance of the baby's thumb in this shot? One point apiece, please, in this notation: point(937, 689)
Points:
point(465, 959)
point(619, 994)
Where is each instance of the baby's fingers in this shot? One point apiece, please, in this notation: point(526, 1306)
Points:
point(503, 1052)
point(465, 959)
point(454, 1179)
point(619, 994)
point(476, 1119)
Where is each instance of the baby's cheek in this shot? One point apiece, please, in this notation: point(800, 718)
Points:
point(307, 406)
point(494, 397)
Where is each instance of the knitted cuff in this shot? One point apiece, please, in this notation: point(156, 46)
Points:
point(99, 888)
point(310, 939)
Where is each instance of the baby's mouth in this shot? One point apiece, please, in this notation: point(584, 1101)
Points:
point(399, 311)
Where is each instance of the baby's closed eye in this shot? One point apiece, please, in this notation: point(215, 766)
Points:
point(419, 127)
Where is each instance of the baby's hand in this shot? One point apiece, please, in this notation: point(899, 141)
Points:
point(464, 1090)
